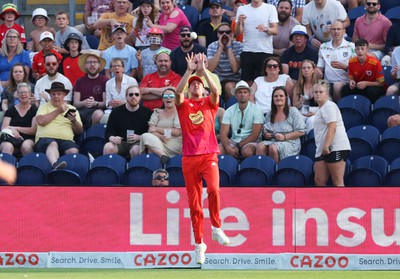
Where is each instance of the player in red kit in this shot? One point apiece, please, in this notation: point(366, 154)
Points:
point(200, 150)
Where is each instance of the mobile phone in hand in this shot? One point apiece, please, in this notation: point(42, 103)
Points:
point(69, 112)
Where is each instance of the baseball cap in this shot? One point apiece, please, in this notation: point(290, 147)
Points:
point(300, 30)
point(193, 78)
point(186, 29)
point(215, 2)
point(46, 34)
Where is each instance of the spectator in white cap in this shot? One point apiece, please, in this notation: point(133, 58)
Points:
point(9, 14)
point(40, 20)
point(47, 43)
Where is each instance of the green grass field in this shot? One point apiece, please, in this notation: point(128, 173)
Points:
point(189, 273)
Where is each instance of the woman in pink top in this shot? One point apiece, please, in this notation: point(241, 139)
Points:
point(171, 20)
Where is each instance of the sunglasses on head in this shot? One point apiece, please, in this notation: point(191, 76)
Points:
point(51, 64)
point(160, 177)
point(183, 35)
point(270, 66)
point(372, 4)
point(166, 96)
point(131, 94)
point(227, 32)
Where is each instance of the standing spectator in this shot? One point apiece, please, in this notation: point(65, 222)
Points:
point(284, 125)
point(40, 20)
point(292, 57)
point(160, 178)
point(365, 74)
point(318, 16)
point(200, 149)
point(90, 90)
point(126, 125)
point(395, 73)
point(264, 85)
point(282, 41)
point(51, 65)
point(224, 59)
point(258, 22)
point(58, 123)
point(171, 20)
point(93, 10)
point(331, 140)
point(153, 85)
point(296, 10)
point(69, 65)
point(12, 52)
point(108, 20)
point(187, 46)
point(62, 22)
point(207, 30)
point(164, 137)
point(147, 11)
point(121, 50)
point(245, 120)
point(20, 119)
point(333, 59)
point(47, 43)
point(9, 15)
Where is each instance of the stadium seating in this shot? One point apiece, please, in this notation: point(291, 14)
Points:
point(363, 140)
point(389, 146)
point(192, 15)
point(140, 170)
point(9, 159)
point(106, 170)
point(388, 4)
point(368, 171)
point(33, 169)
point(73, 174)
point(308, 146)
point(355, 110)
point(93, 41)
point(388, 75)
point(174, 168)
point(228, 166)
point(94, 140)
point(353, 15)
point(393, 176)
point(231, 101)
point(383, 108)
point(393, 13)
point(294, 171)
point(257, 170)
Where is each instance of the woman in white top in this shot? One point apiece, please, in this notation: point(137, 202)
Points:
point(264, 85)
point(331, 139)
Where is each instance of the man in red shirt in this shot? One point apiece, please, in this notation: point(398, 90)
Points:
point(10, 14)
point(365, 74)
point(153, 85)
point(199, 150)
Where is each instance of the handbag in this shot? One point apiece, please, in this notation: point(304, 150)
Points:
point(8, 136)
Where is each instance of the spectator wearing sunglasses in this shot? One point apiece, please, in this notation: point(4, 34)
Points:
point(160, 178)
point(126, 124)
point(245, 120)
point(164, 137)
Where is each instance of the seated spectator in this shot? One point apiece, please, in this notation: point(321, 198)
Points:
point(9, 15)
point(69, 65)
point(372, 27)
point(126, 125)
point(90, 90)
point(160, 178)
point(12, 52)
point(245, 120)
point(20, 119)
point(58, 123)
point(153, 85)
point(18, 75)
point(224, 59)
point(284, 125)
point(164, 137)
point(264, 85)
point(292, 58)
point(395, 73)
point(40, 20)
point(303, 96)
point(62, 22)
point(365, 74)
point(147, 11)
point(47, 43)
point(121, 50)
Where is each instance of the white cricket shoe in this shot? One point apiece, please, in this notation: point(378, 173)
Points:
point(200, 251)
point(219, 235)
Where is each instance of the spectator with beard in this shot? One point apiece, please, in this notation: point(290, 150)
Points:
point(90, 90)
point(51, 65)
point(286, 22)
point(153, 85)
point(297, 7)
point(187, 46)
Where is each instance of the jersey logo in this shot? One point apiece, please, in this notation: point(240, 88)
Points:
point(197, 118)
point(369, 73)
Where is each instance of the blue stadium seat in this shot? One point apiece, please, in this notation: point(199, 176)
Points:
point(294, 171)
point(389, 146)
point(393, 13)
point(386, 5)
point(257, 170)
point(94, 140)
point(73, 174)
point(355, 110)
point(140, 170)
point(93, 41)
point(363, 140)
point(388, 75)
point(33, 169)
point(228, 166)
point(393, 176)
point(368, 171)
point(106, 170)
point(174, 168)
point(230, 102)
point(353, 15)
point(308, 147)
point(383, 108)
point(192, 15)
point(8, 158)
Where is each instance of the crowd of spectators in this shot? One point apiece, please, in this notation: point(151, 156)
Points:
point(265, 55)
